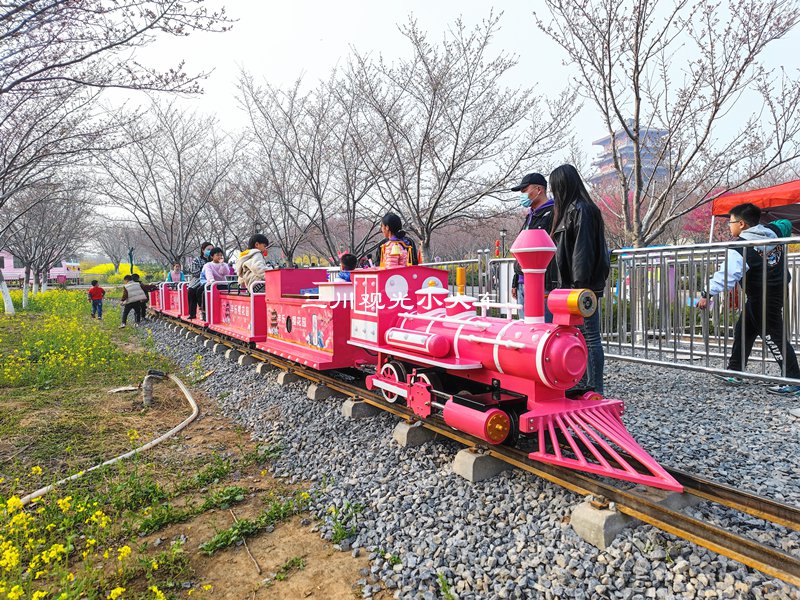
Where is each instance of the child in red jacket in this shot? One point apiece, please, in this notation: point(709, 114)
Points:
point(96, 294)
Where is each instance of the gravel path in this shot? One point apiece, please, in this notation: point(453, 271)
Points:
point(509, 537)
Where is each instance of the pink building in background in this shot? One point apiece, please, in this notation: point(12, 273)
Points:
point(13, 271)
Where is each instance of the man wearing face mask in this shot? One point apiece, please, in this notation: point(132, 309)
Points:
point(533, 196)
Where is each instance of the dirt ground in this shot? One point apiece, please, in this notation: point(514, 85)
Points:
point(234, 573)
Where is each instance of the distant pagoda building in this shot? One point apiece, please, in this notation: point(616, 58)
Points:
point(605, 176)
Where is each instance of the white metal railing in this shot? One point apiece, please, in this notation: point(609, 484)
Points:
point(650, 312)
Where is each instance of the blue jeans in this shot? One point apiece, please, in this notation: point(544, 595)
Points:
point(97, 308)
point(548, 316)
point(593, 377)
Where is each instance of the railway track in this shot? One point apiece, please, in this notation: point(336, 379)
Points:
point(634, 502)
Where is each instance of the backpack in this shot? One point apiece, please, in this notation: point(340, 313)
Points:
point(783, 227)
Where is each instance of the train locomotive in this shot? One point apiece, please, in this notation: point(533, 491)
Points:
point(502, 380)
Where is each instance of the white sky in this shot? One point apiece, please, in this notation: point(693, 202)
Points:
point(280, 41)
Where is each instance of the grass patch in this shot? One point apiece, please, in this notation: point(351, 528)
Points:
point(56, 419)
point(278, 509)
point(163, 515)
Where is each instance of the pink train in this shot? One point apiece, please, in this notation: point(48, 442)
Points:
point(498, 379)
point(66, 272)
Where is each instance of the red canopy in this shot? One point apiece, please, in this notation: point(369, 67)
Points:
point(776, 202)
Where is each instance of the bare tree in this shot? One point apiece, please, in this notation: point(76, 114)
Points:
point(115, 238)
point(44, 43)
point(54, 218)
point(665, 77)
point(455, 135)
point(56, 56)
point(323, 137)
point(171, 166)
point(276, 202)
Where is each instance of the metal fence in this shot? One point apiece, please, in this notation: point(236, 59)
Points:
point(650, 313)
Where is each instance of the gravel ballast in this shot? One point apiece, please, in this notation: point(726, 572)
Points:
point(509, 537)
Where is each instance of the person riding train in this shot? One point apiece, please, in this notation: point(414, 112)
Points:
point(251, 264)
point(397, 249)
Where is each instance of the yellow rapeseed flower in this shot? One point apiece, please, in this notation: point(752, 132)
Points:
point(116, 593)
point(123, 553)
point(133, 435)
point(100, 518)
point(64, 503)
point(159, 595)
point(38, 595)
point(154, 565)
point(13, 503)
point(208, 587)
point(15, 593)
point(9, 555)
point(36, 470)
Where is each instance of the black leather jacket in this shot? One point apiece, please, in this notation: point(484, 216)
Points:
point(581, 251)
point(542, 219)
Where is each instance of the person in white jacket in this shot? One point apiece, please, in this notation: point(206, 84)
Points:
point(764, 292)
point(251, 265)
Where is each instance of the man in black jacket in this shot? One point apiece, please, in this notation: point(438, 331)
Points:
point(533, 196)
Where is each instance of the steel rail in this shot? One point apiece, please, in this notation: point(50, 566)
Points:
point(758, 506)
point(766, 559)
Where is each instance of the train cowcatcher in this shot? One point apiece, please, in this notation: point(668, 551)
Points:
point(502, 380)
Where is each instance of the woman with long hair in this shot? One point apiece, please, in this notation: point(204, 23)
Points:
point(581, 257)
point(392, 230)
point(195, 291)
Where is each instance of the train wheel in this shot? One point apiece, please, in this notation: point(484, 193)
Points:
point(432, 379)
point(514, 434)
point(393, 370)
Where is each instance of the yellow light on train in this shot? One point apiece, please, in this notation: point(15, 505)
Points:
point(497, 427)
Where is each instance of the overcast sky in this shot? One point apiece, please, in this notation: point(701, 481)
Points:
point(280, 41)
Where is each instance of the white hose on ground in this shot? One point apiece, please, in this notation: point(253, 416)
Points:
point(195, 411)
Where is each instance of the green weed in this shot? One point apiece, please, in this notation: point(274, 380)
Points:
point(261, 454)
point(444, 587)
point(170, 567)
point(166, 514)
point(344, 522)
point(293, 564)
point(217, 470)
point(278, 510)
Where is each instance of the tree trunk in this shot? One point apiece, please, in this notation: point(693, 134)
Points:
point(26, 288)
point(7, 303)
point(116, 266)
point(35, 282)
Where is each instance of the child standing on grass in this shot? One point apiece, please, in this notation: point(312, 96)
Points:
point(96, 294)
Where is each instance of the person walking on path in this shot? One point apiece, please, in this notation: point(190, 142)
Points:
point(132, 295)
point(96, 295)
point(533, 196)
point(581, 258)
point(749, 263)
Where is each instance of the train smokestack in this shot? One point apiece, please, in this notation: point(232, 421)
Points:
point(533, 250)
